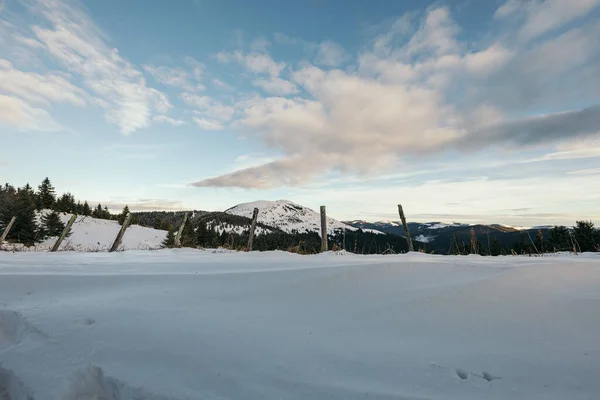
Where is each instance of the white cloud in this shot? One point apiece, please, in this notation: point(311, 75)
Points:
point(168, 120)
point(276, 86)
point(18, 114)
point(208, 125)
point(256, 62)
point(39, 89)
point(170, 76)
point(72, 39)
point(208, 107)
point(330, 54)
point(589, 171)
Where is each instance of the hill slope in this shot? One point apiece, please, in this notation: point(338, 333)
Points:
point(289, 217)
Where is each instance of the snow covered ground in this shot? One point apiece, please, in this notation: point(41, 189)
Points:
point(187, 324)
point(92, 234)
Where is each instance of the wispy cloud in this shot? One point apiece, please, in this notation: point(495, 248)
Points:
point(168, 120)
point(66, 33)
point(256, 62)
point(589, 171)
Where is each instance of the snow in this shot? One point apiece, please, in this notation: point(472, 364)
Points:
point(237, 229)
point(92, 234)
point(290, 217)
point(441, 225)
point(189, 324)
point(424, 239)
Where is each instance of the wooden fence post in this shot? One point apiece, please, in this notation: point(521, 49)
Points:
point(323, 229)
point(119, 237)
point(7, 229)
point(252, 228)
point(406, 232)
point(180, 231)
point(64, 233)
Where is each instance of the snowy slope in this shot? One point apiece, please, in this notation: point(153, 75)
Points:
point(91, 234)
point(186, 324)
point(289, 217)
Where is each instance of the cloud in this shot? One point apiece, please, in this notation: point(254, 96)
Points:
point(220, 84)
point(589, 171)
point(276, 86)
point(538, 129)
point(330, 54)
point(542, 17)
point(16, 113)
point(256, 62)
point(168, 120)
point(117, 205)
point(73, 40)
point(39, 89)
point(177, 77)
point(210, 114)
point(209, 125)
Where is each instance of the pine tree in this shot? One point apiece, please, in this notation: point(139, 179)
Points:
point(52, 225)
point(86, 209)
point(560, 239)
point(585, 235)
point(188, 236)
point(495, 248)
point(25, 229)
point(169, 241)
point(123, 215)
point(46, 195)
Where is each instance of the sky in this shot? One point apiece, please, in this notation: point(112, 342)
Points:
point(469, 111)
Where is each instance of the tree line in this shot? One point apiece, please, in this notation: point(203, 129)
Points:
point(25, 203)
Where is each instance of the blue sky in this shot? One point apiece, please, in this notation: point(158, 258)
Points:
point(475, 111)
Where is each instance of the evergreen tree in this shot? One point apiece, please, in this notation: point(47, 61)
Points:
point(66, 203)
point(188, 236)
point(169, 241)
point(559, 238)
point(495, 248)
point(46, 195)
point(25, 229)
point(586, 235)
point(86, 209)
point(52, 225)
point(106, 213)
point(121, 217)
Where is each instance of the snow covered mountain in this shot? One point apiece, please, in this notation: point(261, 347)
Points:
point(289, 217)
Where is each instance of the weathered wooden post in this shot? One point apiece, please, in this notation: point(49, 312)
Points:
point(323, 229)
point(64, 233)
point(7, 229)
point(252, 228)
point(119, 237)
point(406, 232)
point(180, 231)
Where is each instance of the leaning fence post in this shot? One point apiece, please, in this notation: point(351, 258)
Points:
point(252, 228)
point(64, 233)
point(180, 231)
point(323, 229)
point(119, 237)
point(7, 229)
point(406, 232)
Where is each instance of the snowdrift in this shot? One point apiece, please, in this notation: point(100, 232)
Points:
point(186, 324)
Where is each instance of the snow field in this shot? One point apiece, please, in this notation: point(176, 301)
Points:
point(186, 324)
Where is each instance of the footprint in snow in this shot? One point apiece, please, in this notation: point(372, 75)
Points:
point(462, 374)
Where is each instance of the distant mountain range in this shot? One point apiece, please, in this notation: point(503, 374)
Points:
point(440, 236)
point(290, 218)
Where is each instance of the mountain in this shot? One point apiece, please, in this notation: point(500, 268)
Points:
point(290, 217)
point(441, 237)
